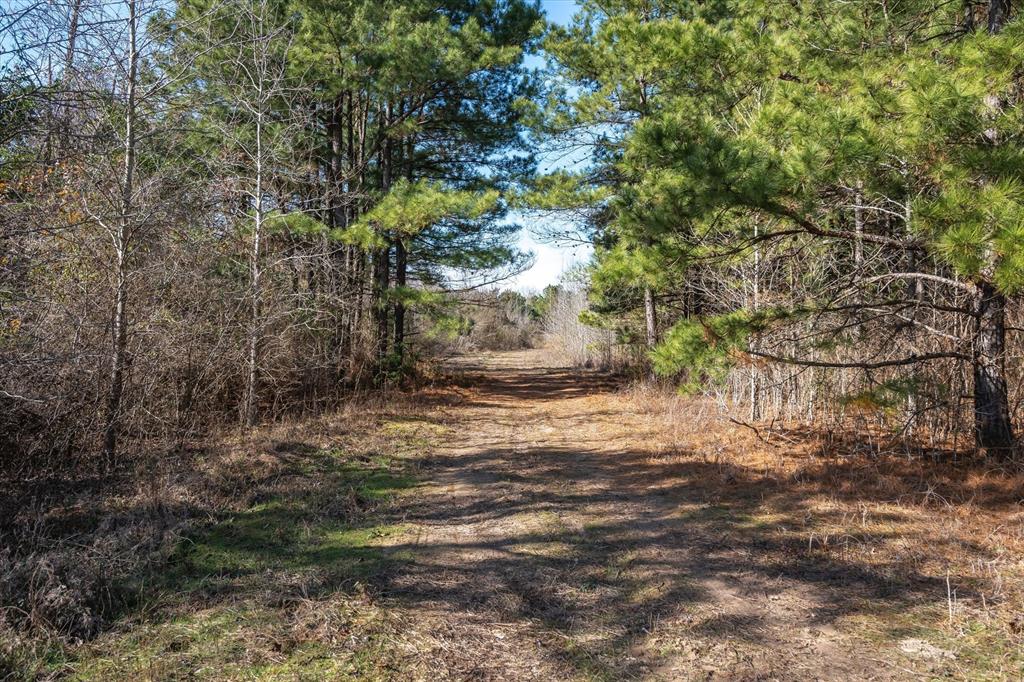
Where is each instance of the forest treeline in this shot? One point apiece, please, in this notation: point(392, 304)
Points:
point(222, 210)
point(813, 206)
point(219, 210)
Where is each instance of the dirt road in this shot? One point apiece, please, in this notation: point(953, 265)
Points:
point(531, 522)
point(558, 538)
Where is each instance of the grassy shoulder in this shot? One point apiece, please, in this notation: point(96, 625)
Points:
point(278, 577)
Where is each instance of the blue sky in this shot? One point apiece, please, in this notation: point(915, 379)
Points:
point(560, 11)
point(550, 259)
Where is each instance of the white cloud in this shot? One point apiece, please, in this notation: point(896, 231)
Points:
point(552, 259)
point(550, 262)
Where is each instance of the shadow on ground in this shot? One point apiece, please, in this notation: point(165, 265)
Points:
point(603, 557)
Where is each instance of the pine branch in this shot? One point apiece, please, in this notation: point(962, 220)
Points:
point(901, 362)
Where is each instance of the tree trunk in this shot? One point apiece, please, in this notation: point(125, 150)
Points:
point(69, 54)
point(993, 429)
point(968, 22)
point(119, 341)
point(357, 162)
point(65, 108)
point(341, 257)
point(858, 229)
point(337, 134)
point(998, 15)
point(992, 425)
point(651, 318)
point(381, 281)
point(255, 283)
point(408, 150)
point(119, 344)
point(755, 301)
point(401, 264)
point(651, 324)
point(382, 255)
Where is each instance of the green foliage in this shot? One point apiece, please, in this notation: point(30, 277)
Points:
point(721, 121)
point(704, 349)
point(360, 129)
point(778, 154)
point(540, 304)
point(410, 208)
point(449, 327)
point(16, 116)
point(887, 396)
point(296, 224)
point(560, 191)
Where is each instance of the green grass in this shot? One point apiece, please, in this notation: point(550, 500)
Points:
point(234, 643)
point(302, 531)
point(275, 591)
point(989, 651)
point(983, 650)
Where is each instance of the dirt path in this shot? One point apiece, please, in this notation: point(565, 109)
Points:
point(553, 540)
point(530, 522)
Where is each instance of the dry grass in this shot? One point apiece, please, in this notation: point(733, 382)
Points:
point(870, 503)
point(527, 522)
point(253, 553)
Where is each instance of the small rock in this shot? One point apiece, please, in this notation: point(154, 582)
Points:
point(919, 648)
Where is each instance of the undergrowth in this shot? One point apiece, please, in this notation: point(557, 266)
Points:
point(269, 565)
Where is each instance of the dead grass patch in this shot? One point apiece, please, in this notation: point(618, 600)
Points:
point(256, 553)
point(865, 503)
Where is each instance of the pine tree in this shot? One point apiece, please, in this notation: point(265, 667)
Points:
point(867, 155)
point(400, 94)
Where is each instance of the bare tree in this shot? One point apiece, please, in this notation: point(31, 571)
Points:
point(250, 99)
point(121, 234)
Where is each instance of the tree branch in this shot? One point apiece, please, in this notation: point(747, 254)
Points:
point(965, 286)
point(912, 360)
point(811, 228)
